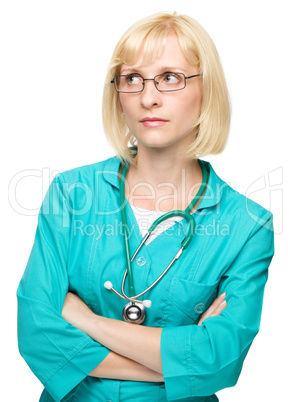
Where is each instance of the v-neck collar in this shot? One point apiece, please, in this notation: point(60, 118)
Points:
point(211, 197)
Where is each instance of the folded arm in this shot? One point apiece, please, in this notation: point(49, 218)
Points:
point(204, 358)
point(136, 342)
point(137, 348)
point(118, 367)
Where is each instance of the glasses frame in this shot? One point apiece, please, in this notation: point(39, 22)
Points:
point(155, 82)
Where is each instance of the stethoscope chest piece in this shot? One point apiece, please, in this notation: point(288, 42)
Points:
point(134, 313)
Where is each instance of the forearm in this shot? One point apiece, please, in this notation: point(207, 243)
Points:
point(118, 367)
point(136, 342)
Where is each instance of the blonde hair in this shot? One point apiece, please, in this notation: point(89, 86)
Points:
point(212, 126)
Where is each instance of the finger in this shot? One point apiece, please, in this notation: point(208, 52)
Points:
point(219, 308)
point(214, 305)
point(213, 310)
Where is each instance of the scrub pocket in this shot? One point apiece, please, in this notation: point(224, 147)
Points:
point(187, 301)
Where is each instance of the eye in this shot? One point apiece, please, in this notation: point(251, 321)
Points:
point(171, 78)
point(134, 79)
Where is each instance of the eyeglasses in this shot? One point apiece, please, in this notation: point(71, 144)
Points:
point(167, 82)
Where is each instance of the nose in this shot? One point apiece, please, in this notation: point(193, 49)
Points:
point(150, 96)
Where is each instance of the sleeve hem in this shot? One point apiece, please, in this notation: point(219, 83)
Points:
point(75, 370)
point(176, 376)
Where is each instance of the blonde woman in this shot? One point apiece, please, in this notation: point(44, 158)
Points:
point(165, 106)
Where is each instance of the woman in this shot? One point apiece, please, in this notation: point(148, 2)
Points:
point(165, 94)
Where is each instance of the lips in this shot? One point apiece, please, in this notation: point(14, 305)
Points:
point(153, 121)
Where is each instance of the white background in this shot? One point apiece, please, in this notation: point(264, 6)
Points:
point(54, 58)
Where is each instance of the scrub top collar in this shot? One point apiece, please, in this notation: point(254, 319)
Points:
point(212, 194)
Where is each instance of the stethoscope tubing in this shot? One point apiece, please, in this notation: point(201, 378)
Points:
point(128, 313)
point(125, 230)
point(184, 244)
point(178, 254)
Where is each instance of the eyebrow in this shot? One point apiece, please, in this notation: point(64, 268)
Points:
point(163, 69)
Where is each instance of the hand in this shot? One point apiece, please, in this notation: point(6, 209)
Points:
point(76, 312)
point(215, 308)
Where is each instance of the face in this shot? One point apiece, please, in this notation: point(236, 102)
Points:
point(178, 110)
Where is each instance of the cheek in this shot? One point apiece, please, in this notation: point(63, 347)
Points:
point(195, 101)
point(126, 104)
point(121, 102)
point(189, 107)
point(128, 107)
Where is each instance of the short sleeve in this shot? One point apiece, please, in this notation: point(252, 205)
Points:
point(201, 360)
point(59, 354)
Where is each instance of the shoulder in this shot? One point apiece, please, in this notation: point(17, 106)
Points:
point(249, 212)
point(85, 173)
point(81, 184)
point(241, 212)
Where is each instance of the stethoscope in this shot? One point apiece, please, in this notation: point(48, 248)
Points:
point(134, 312)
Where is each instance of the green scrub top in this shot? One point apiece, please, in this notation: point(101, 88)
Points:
point(79, 245)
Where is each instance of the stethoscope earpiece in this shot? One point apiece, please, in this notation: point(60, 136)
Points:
point(108, 285)
point(147, 303)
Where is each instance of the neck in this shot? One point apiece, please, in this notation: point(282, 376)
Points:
point(162, 177)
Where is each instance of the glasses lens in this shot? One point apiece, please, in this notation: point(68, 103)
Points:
point(129, 83)
point(170, 81)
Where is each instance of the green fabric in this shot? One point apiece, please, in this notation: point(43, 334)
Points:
point(78, 246)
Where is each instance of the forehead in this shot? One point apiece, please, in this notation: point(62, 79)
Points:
point(162, 55)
